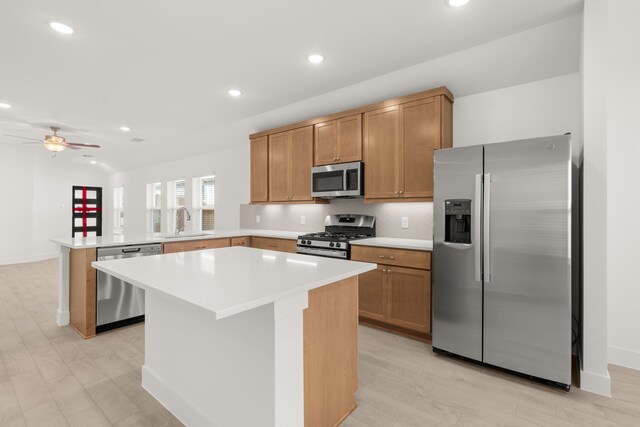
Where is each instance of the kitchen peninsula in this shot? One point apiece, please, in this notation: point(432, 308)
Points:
point(241, 336)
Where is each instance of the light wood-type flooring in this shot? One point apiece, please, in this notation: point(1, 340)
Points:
point(49, 376)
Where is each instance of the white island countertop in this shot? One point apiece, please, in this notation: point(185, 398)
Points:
point(148, 238)
point(228, 281)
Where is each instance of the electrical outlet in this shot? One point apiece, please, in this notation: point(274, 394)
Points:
point(303, 219)
point(405, 222)
point(257, 219)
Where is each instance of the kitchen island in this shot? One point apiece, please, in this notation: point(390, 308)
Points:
point(247, 337)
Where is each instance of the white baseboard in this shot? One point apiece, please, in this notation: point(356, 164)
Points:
point(32, 258)
point(175, 403)
point(624, 357)
point(595, 383)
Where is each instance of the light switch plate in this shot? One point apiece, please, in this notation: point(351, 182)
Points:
point(303, 219)
point(257, 219)
point(405, 222)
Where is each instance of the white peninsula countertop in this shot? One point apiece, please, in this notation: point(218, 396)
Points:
point(148, 238)
point(231, 280)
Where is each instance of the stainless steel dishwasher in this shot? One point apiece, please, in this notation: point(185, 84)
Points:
point(119, 303)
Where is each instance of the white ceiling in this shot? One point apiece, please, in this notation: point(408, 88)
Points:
point(163, 67)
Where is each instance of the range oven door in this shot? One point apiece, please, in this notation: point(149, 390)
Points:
point(341, 180)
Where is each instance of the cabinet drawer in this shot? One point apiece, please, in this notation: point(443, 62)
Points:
point(282, 245)
point(241, 241)
point(194, 245)
point(389, 256)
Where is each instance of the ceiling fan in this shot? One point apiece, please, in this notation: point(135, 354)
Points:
point(55, 143)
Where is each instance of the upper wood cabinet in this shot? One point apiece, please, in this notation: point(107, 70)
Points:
point(338, 141)
point(395, 138)
point(290, 161)
point(259, 170)
point(398, 148)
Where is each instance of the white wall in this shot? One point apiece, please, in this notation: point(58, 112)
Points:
point(231, 170)
point(594, 374)
point(542, 108)
point(37, 202)
point(623, 194)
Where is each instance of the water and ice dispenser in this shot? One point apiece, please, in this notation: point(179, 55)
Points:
point(457, 215)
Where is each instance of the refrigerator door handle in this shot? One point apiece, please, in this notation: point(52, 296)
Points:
point(487, 227)
point(476, 226)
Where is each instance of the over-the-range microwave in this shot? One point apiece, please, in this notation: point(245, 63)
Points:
point(340, 180)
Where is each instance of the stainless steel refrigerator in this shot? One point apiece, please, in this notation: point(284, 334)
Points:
point(502, 255)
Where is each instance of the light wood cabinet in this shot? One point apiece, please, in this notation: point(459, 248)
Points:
point(290, 162)
point(372, 294)
point(338, 141)
point(241, 241)
point(397, 296)
point(194, 245)
point(268, 243)
point(259, 169)
point(409, 298)
point(398, 146)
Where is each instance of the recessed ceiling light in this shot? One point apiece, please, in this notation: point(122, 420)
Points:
point(457, 3)
point(61, 28)
point(93, 162)
point(4, 105)
point(315, 58)
point(125, 128)
point(234, 92)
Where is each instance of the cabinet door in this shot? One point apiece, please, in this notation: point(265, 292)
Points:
point(349, 143)
point(279, 166)
point(372, 294)
point(409, 298)
point(241, 241)
point(301, 163)
point(259, 170)
point(326, 141)
point(420, 135)
point(382, 153)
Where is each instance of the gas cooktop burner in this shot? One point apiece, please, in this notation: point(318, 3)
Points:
point(325, 235)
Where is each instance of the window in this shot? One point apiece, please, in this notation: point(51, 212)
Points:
point(204, 197)
point(176, 197)
point(154, 207)
point(118, 210)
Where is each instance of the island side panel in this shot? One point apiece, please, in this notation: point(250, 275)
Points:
point(331, 353)
point(82, 291)
point(210, 372)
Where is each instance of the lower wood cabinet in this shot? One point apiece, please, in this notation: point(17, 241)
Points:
point(241, 241)
point(409, 298)
point(396, 297)
point(194, 245)
point(268, 243)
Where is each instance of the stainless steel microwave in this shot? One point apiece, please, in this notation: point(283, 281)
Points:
point(341, 180)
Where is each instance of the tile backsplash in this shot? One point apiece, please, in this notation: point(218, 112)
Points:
point(388, 217)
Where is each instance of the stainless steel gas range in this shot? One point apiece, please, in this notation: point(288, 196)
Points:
point(339, 230)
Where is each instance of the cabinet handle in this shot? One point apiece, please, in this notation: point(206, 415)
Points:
point(385, 257)
point(401, 191)
point(199, 247)
point(381, 256)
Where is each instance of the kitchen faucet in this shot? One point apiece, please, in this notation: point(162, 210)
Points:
point(180, 212)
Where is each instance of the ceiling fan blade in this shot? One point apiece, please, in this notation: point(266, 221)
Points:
point(31, 142)
point(70, 146)
point(23, 137)
point(77, 144)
